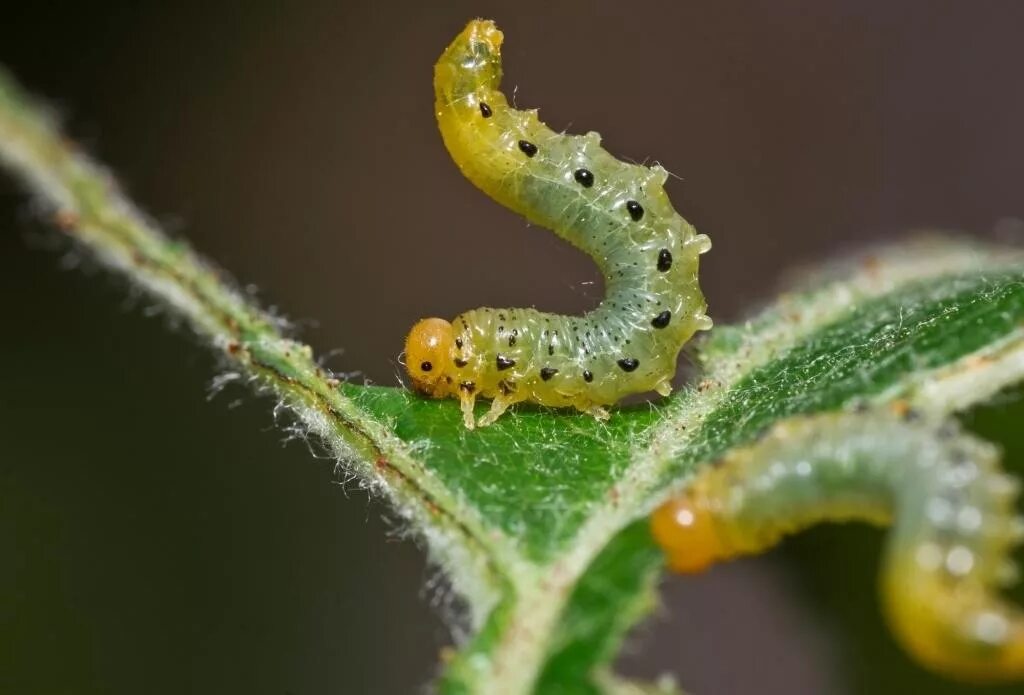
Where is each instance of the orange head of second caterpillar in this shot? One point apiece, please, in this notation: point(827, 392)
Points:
point(686, 529)
point(429, 358)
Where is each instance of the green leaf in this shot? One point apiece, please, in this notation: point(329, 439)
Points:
point(560, 464)
point(540, 519)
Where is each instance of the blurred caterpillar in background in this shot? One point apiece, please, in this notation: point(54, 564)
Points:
point(618, 213)
point(951, 509)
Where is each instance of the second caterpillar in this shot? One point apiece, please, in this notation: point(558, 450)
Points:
point(618, 213)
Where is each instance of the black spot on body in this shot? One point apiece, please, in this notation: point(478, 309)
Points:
point(426, 366)
point(636, 210)
point(504, 363)
point(547, 372)
point(485, 110)
point(583, 177)
point(628, 364)
point(588, 375)
point(662, 319)
point(511, 341)
point(468, 386)
point(527, 148)
point(460, 363)
point(664, 260)
point(458, 343)
point(551, 349)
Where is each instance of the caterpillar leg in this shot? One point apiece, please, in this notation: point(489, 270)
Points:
point(467, 401)
point(664, 388)
point(951, 509)
point(499, 405)
point(585, 405)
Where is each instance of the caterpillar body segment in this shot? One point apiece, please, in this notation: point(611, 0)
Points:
point(616, 212)
point(950, 508)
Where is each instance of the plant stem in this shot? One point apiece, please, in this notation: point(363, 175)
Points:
point(86, 203)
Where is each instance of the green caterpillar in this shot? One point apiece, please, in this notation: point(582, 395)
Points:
point(951, 508)
point(618, 213)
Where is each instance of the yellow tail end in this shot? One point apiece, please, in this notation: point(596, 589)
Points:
point(959, 629)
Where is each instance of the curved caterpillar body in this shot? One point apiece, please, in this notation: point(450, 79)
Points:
point(951, 509)
point(618, 213)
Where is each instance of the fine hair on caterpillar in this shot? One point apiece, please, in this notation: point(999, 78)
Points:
point(616, 212)
point(950, 507)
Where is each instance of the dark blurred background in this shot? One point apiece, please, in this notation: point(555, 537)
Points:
point(152, 540)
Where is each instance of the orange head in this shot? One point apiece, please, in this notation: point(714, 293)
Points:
point(685, 530)
point(428, 357)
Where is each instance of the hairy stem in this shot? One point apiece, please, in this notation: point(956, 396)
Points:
point(86, 203)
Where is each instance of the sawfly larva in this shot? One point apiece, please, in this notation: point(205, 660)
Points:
point(616, 212)
point(950, 507)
